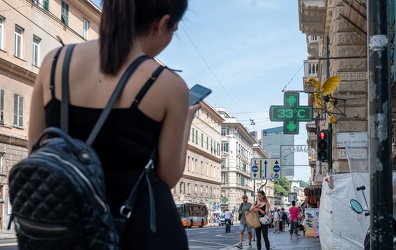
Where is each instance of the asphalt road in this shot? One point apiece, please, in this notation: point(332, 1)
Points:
point(212, 237)
point(208, 238)
point(8, 244)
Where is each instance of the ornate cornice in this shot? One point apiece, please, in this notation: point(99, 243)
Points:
point(18, 71)
point(10, 140)
point(195, 178)
point(89, 9)
point(203, 153)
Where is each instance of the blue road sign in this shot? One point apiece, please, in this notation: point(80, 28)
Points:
point(255, 168)
point(276, 168)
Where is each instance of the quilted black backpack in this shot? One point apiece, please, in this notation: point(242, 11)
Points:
point(57, 193)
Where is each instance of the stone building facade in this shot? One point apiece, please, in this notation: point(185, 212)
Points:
point(236, 154)
point(201, 178)
point(336, 41)
point(28, 31)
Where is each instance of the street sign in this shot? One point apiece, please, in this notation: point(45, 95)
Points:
point(292, 197)
point(255, 173)
point(354, 139)
point(291, 113)
point(264, 168)
point(255, 169)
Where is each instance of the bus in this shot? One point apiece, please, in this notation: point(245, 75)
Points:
point(192, 214)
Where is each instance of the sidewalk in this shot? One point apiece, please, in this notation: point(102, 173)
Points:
point(282, 241)
point(6, 234)
point(278, 241)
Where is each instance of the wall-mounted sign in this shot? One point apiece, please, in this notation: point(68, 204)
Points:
point(291, 113)
point(353, 139)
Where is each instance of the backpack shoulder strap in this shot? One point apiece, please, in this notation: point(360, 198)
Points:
point(117, 91)
point(53, 68)
point(65, 89)
point(147, 85)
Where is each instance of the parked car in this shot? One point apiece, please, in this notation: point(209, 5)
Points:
point(222, 220)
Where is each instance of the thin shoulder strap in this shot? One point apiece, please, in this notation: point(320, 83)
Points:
point(53, 68)
point(114, 97)
point(147, 85)
point(65, 89)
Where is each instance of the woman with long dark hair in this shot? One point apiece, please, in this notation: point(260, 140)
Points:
point(149, 116)
point(262, 206)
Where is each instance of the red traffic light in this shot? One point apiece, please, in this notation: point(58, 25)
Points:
point(322, 135)
point(322, 146)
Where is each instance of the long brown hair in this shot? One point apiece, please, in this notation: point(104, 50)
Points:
point(123, 19)
point(264, 196)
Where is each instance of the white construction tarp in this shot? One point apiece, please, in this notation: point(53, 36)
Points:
point(340, 227)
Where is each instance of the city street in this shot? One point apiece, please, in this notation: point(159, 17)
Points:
point(215, 238)
point(212, 237)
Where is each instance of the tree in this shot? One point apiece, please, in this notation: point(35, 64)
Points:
point(284, 183)
point(279, 190)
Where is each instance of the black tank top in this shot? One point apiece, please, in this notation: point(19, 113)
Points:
point(262, 208)
point(124, 144)
point(125, 141)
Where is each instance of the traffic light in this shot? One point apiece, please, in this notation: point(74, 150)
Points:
point(323, 145)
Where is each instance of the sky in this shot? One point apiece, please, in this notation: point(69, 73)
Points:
point(247, 52)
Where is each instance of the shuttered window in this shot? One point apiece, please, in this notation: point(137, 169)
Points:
point(46, 4)
point(65, 13)
point(18, 111)
point(2, 106)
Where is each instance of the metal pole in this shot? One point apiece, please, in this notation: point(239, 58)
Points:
point(330, 147)
point(379, 126)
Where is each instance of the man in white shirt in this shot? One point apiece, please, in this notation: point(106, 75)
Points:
point(227, 216)
point(276, 220)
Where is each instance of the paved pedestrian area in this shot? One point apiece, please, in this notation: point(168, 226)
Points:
point(6, 234)
point(278, 241)
point(282, 241)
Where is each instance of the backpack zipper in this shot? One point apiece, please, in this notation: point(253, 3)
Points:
point(36, 227)
point(83, 177)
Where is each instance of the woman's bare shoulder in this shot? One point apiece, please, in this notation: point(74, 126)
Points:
point(45, 68)
point(172, 83)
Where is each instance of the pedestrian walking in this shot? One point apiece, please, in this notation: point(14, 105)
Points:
point(284, 219)
point(242, 225)
point(293, 210)
point(276, 220)
point(262, 206)
point(280, 220)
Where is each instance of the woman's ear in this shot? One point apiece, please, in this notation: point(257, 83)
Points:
point(162, 25)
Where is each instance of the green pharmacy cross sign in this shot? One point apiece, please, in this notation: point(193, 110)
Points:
point(291, 113)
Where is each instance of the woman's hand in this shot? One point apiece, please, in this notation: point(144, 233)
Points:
point(191, 112)
point(254, 207)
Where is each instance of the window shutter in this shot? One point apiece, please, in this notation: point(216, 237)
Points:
point(20, 111)
point(46, 4)
point(65, 13)
point(2, 106)
point(15, 109)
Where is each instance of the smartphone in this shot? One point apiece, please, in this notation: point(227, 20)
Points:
point(197, 94)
